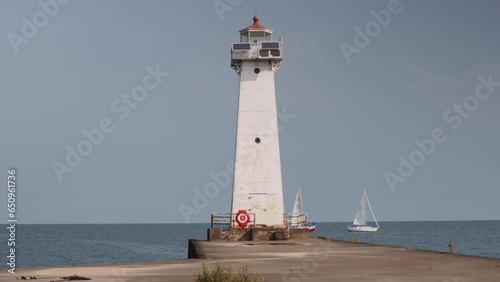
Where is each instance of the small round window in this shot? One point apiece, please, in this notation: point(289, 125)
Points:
point(257, 140)
point(256, 70)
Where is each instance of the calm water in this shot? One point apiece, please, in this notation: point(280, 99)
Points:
point(48, 245)
point(481, 238)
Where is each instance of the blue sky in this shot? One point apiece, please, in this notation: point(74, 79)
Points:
point(353, 116)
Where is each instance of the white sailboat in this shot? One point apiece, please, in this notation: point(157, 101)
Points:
point(298, 210)
point(359, 224)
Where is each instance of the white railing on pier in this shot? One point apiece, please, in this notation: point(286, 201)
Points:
point(296, 220)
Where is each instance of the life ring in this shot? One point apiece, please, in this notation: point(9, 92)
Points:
point(243, 218)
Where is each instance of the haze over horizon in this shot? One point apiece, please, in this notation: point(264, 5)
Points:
point(399, 98)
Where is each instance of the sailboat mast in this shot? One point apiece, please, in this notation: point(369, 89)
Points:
point(364, 206)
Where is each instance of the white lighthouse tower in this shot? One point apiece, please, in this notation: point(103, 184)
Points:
point(257, 185)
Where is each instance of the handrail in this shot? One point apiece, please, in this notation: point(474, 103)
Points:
point(228, 220)
point(296, 220)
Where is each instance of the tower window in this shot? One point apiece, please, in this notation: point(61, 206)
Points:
point(256, 70)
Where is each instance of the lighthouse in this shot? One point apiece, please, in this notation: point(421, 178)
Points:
point(257, 184)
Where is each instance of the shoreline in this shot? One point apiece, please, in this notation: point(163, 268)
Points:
point(411, 248)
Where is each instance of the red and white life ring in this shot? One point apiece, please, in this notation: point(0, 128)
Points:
point(243, 218)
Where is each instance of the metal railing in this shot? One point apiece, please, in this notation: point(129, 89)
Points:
point(228, 220)
point(296, 220)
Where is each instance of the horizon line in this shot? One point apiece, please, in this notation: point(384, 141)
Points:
point(102, 223)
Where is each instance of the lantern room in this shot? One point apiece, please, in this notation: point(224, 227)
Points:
point(256, 43)
point(255, 33)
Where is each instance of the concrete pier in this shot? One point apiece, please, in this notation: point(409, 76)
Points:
point(294, 260)
point(257, 234)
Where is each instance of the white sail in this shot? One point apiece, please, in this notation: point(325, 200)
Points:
point(297, 208)
point(360, 218)
point(359, 224)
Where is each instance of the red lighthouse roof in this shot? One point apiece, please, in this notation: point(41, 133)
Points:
point(256, 26)
point(256, 23)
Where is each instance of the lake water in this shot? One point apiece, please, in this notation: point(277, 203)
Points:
point(67, 244)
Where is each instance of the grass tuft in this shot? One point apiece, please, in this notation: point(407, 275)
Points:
point(225, 274)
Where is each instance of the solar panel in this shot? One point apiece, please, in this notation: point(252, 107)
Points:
point(241, 46)
point(270, 45)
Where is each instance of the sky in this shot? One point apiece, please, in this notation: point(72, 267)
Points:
point(399, 98)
